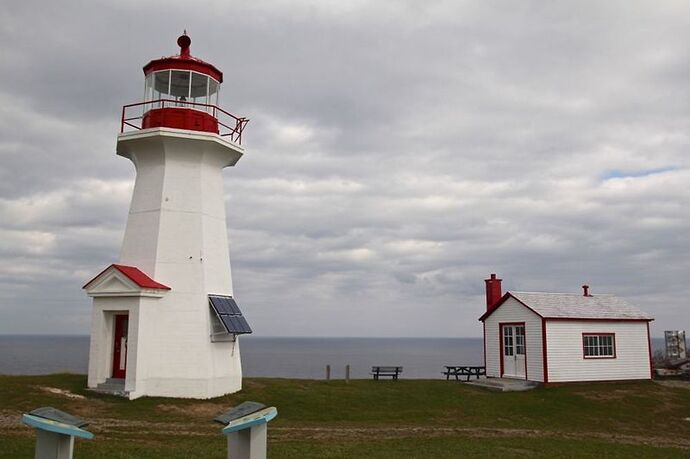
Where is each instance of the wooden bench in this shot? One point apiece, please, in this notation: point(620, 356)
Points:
point(393, 372)
point(464, 370)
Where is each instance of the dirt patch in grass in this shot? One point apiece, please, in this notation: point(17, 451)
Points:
point(89, 408)
point(200, 410)
point(110, 428)
point(673, 383)
point(62, 392)
point(382, 433)
point(669, 404)
point(10, 420)
point(252, 384)
point(666, 400)
point(514, 452)
point(607, 396)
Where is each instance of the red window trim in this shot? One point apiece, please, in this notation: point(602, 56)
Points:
point(599, 357)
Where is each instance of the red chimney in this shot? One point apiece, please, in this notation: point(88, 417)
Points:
point(585, 288)
point(493, 291)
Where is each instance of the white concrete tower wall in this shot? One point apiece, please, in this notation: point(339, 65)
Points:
point(176, 233)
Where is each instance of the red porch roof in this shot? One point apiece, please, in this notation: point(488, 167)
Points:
point(135, 275)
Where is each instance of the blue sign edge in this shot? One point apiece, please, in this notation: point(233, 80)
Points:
point(262, 420)
point(54, 426)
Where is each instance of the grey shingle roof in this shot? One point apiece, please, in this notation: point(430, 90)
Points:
point(577, 306)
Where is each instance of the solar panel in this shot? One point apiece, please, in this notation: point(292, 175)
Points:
point(225, 304)
point(244, 323)
point(219, 304)
point(229, 314)
point(235, 323)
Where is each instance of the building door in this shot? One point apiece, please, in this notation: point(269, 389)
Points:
point(513, 343)
point(120, 346)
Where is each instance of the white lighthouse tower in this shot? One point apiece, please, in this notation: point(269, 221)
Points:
point(165, 322)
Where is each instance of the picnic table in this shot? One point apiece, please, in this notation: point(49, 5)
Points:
point(464, 370)
point(392, 372)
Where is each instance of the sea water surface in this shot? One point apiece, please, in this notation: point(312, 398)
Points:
point(304, 358)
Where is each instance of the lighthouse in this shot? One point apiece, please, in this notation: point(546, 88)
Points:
point(164, 318)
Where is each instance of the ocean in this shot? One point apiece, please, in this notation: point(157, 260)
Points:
point(302, 358)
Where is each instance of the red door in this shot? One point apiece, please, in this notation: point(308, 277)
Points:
point(120, 346)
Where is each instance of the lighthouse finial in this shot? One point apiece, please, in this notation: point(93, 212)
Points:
point(183, 42)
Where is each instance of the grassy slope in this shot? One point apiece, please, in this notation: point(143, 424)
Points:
point(371, 419)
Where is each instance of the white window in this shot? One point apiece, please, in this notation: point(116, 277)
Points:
point(508, 341)
point(520, 340)
point(599, 345)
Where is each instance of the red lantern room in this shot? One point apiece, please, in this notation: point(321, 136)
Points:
point(181, 92)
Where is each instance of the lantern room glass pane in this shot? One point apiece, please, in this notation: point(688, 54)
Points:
point(148, 87)
point(148, 91)
point(199, 90)
point(179, 85)
point(213, 91)
point(161, 86)
point(161, 83)
point(199, 85)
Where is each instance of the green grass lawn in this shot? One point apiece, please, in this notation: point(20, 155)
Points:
point(332, 419)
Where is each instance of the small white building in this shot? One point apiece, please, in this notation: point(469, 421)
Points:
point(564, 337)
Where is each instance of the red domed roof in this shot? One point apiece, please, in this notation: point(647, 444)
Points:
point(184, 61)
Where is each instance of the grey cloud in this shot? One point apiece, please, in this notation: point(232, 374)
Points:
point(397, 154)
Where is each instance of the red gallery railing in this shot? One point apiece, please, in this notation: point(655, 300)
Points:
point(229, 124)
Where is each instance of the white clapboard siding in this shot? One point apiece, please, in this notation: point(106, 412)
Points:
point(513, 311)
point(565, 355)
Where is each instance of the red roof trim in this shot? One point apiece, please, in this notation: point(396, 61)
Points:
point(96, 277)
point(510, 295)
point(135, 275)
point(603, 319)
point(503, 300)
point(494, 307)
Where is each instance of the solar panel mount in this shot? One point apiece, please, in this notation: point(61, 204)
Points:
point(229, 314)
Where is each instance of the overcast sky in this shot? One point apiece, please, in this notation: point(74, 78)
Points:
point(398, 153)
